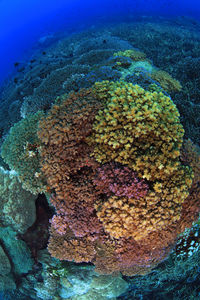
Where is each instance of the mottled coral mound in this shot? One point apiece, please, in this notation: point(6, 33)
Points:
point(20, 151)
point(111, 156)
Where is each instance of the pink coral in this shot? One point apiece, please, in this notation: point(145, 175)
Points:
point(76, 211)
point(116, 179)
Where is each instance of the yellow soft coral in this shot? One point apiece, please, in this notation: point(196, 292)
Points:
point(134, 54)
point(137, 128)
point(124, 217)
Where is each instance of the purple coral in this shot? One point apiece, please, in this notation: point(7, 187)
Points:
point(119, 180)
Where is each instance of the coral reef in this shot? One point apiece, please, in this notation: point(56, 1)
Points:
point(121, 213)
point(116, 179)
point(168, 83)
point(65, 280)
point(20, 152)
point(92, 143)
point(13, 253)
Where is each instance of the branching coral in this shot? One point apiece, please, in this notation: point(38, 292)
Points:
point(63, 135)
point(67, 164)
point(116, 179)
point(137, 128)
point(77, 208)
point(68, 247)
point(132, 217)
point(111, 156)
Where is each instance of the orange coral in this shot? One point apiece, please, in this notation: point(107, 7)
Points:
point(62, 133)
point(116, 232)
point(68, 247)
point(129, 217)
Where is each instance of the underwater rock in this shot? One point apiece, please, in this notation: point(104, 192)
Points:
point(17, 251)
point(65, 280)
point(7, 283)
point(17, 205)
point(6, 277)
point(5, 266)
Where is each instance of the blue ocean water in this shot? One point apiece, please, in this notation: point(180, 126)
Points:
point(22, 23)
point(51, 48)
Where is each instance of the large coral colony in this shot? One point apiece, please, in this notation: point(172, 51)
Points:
point(123, 181)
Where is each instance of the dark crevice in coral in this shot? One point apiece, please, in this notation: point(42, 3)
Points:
point(36, 236)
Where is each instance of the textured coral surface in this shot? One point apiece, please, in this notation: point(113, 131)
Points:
point(111, 156)
point(20, 152)
point(121, 215)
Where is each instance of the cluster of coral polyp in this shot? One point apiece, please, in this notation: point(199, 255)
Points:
point(111, 156)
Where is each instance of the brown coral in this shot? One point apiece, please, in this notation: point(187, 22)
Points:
point(68, 247)
point(168, 83)
point(62, 133)
point(116, 232)
point(77, 207)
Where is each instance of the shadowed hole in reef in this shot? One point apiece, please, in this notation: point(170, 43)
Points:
point(36, 236)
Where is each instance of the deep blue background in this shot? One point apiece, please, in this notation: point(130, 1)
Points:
point(23, 22)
